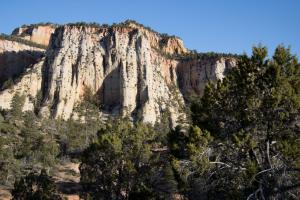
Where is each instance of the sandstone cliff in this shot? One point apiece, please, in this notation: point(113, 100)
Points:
point(117, 63)
point(193, 75)
point(132, 71)
point(38, 33)
point(15, 57)
point(29, 85)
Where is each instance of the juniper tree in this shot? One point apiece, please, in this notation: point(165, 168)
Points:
point(253, 115)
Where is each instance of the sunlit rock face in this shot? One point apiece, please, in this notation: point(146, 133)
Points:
point(132, 71)
point(39, 34)
point(116, 63)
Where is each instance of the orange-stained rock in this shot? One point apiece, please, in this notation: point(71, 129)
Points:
point(39, 34)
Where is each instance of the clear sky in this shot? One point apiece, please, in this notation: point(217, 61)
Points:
point(205, 25)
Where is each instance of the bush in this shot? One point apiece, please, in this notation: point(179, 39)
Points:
point(35, 187)
point(120, 164)
point(7, 84)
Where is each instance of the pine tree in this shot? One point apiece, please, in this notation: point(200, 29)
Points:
point(17, 104)
point(253, 115)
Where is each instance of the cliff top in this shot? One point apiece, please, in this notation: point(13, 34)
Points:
point(22, 41)
point(163, 43)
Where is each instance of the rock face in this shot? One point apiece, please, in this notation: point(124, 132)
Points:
point(28, 85)
point(14, 46)
point(125, 66)
point(39, 34)
point(193, 75)
point(116, 63)
point(15, 57)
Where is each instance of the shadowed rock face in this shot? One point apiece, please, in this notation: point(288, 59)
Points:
point(15, 58)
point(124, 66)
point(20, 64)
point(12, 63)
point(193, 75)
point(28, 84)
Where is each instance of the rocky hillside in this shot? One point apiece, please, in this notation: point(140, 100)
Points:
point(130, 70)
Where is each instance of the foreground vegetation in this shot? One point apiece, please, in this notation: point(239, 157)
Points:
point(242, 143)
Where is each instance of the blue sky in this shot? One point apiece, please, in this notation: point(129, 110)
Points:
point(205, 25)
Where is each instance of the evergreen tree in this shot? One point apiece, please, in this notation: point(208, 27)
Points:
point(17, 104)
point(253, 115)
point(119, 164)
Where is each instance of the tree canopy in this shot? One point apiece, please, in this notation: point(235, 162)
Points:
point(253, 115)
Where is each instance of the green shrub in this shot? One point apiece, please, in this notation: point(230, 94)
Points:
point(35, 187)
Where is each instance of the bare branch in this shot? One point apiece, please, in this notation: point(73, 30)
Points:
point(220, 163)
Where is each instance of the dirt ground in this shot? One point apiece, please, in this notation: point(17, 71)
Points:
point(67, 178)
point(4, 193)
